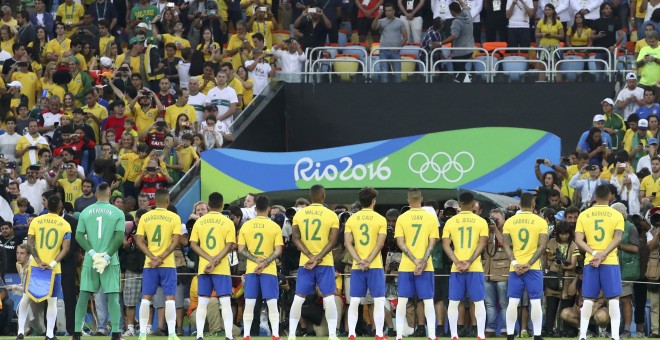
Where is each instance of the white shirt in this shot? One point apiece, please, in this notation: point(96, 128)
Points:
point(587, 187)
point(561, 7)
point(49, 120)
point(223, 98)
point(184, 74)
point(8, 145)
point(197, 101)
point(592, 5)
point(291, 63)
point(632, 195)
point(475, 9)
point(644, 162)
point(248, 214)
point(631, 107)
point(519, 18)
point(211, 137)
point(440, 8)
point(259, 75)
point(33, 193)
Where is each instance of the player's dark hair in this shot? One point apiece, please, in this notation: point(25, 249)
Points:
point(316, 193)
point(603, 191)
point(7, 223)
point(88, 181)
point(466, 199)
point(367, 195)
point(162, 195)
point(236, 211)
point(54, 204)
point(554, 193)
point(261, 203)
point(392, 213)
point(140, 212)
point(526, 200)
point(103, 187)
point(572, 210)
point(216, 200)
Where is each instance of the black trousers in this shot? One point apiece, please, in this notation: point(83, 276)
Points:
point(639, 301)
point(70, 294)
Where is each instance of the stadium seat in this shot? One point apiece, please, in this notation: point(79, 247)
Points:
point(348, 63)
point(573, 62)
point(342, 38)
point(280, 36)
point(408, 67)
point(332, 52)
point(514, 66)
point(411, 48)
point(356, 48)
point(355, 38)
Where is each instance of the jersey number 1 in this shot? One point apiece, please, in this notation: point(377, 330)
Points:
point(100, 220)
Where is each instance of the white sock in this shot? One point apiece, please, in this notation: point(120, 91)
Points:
point(294, 315)
point(537, 316)
point(170, 316)
point(51, 317)
point(23, 311)
point(331, 315)
point(353, 315)
point(227, 316)
point(401, 316)
point(144, 316)
point(379, 315)
point(248, 316)
point(615, 317)
point(274, 317)
point(452, 315)
point(585, 315)
point(131, 327)
point(429, 313)
point(200, 318)
point(512, 316)
point(480, 315)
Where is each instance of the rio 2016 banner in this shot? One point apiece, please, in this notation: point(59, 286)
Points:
point(493, 159)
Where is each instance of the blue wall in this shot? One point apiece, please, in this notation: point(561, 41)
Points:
point(188, 199)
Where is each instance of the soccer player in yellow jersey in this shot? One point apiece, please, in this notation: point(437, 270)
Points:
point(650, 185)
point(598, 233)
point(416, 233)
point(49, 237)
point(157, 236)
point(469, 234)
point(315, 232)
point(368, 229)
point(260, 242)
point(213, 237)
point(527, 234)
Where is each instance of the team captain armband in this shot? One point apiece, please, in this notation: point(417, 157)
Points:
point(67, 236)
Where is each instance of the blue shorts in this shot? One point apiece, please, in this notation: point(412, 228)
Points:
point(207, 283)
point(472, 283)
point(57, 287)
point(374, 279)
point(267, 283)
point(532, 280)
point(606, 277)
point(423, 285)
point(154, 277)
point(323, 276)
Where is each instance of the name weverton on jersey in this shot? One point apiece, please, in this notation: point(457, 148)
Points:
point(100, 211)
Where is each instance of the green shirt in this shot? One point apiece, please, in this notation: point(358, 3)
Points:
point(99, 222)
point(144, 14)
point(650, 72)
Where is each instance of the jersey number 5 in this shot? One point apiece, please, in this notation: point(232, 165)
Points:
point(599, 229)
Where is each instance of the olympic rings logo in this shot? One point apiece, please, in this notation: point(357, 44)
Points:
point(441, 164)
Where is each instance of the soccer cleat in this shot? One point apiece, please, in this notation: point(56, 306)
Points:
point(510, 337)
point(536, 337)
point(384, 337)
point(246, 337)
point(524, 334)
point(173, 337)
point(20, 337)
point(454, 338)
point(291, 338)
point(478, 338)
point(275, 338)
point(200, 338)
point(129, 332)
point(53, 338)
point(76, 336)
point(351, 337)
point(142, 337)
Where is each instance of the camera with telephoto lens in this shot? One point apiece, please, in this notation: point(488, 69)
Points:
point(560, 258)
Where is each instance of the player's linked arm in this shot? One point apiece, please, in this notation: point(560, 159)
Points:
point(446, 246)
point(229, 246)
point(66, 244)
point(33, 249)
point(429, 249)
point(483, 240)
point(297, 241)
point(380, 243)
point(142, 245)
point(332, 242)
point(614, 244)
point(507, 247)
point(197, 249)
point(173, 245)
point(348, 243)
point(242, 249)
point(543, 242)
point(579, 240)
point(401, 242)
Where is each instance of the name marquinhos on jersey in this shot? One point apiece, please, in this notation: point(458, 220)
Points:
point(158, 218)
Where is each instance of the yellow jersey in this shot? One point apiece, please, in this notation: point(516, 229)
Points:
point(133, 62)
point(212, 232)
point(6, 45)
point(70, 15)
point(72, 189)
point(158, 226)
point(650, 186)
point(49, 233)
point(134, 166)
point(187, 156)
point(260, 236)
point(180, 43)
point(205, 89)
point(101, 113)
point(315, 223)
point(173, 111)
point(598, 224)
point(143, 120)
point(30, 85)
point(53, 89)
point(365, 226)
point(525, 230)
point(464, 230)
point(266, 28)
point(58, 47)
point(24, 143)
point(416, 226)
point(234, 43)
point(103, 44)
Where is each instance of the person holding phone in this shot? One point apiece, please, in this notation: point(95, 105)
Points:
point(28, 145)
point(650, 185)
point(605, 32)
point(587, 187)
point(151, 179)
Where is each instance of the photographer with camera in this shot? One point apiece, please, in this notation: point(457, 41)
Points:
point(550, 181)
point(71, 183)
point(151, 179)
point(626, 182)
point(496, 269)
point(144, 114)
point(291, 57)
point(181, 106)
point(588, 186)
point(263, 22)
point(259, 69)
